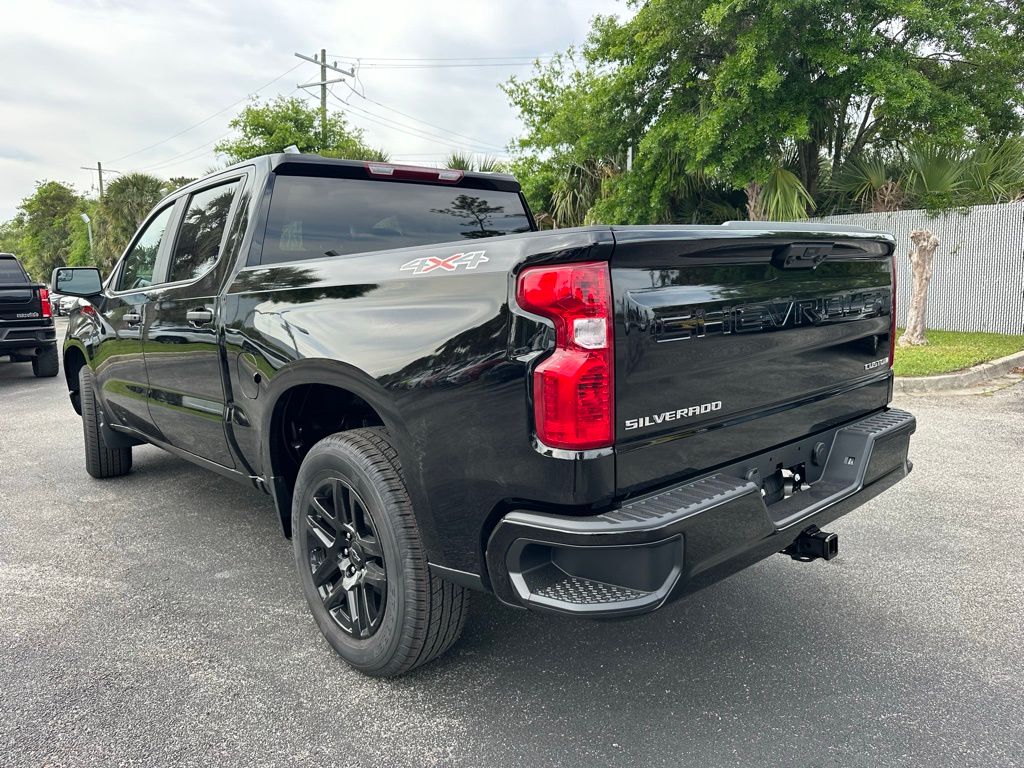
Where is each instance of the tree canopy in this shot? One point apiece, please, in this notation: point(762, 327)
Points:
point(774, 98)
point(264, 128)
point(48, 230)
point(127, 201)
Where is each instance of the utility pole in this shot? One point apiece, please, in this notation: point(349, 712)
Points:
point(99, 172)
point(323, 97)
point(323, 83)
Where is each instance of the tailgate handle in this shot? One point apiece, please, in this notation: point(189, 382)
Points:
point(801, 255)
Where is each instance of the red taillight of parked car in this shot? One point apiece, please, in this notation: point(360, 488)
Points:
point(44, 300)
point(573, 389)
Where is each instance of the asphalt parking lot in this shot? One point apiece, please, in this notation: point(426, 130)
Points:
point(155, 620)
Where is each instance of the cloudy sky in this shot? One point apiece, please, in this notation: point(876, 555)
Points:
point(143, 85)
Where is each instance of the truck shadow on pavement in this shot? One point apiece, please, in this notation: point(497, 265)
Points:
point(757, 643)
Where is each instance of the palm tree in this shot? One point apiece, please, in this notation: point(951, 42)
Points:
point(935, 177)
point(459, 161)
point(870, 182)
point(125, 204)
point(780, 197)
point(995, 171)
point(462, 161)
point(578, 188)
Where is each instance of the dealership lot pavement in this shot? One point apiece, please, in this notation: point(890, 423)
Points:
point(155, 620)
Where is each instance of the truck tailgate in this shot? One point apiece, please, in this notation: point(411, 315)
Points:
point(19, 303)
point(731, 340)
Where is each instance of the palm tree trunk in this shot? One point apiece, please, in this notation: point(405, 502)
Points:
point(755, 202)
point(921, 256)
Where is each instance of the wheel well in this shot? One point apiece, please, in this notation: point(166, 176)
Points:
point(303, 416)
point(73, 362)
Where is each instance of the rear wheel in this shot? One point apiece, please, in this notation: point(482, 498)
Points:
point(100, 461)
point(45, 365)
point(361, 561)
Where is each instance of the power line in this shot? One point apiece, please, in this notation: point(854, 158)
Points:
point(208, 119)
point(410, 130)
point(373, 65)
point(447, 58)
point(419, 120)
point(181, 156)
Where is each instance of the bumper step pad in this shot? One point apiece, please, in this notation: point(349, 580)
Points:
point(579, 591)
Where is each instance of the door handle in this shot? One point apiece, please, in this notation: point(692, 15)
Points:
point(199, 316)
point(131, 318)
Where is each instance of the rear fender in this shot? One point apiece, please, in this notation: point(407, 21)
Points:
point(359, 383)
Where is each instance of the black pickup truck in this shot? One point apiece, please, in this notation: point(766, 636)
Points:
point(27, 333)
point(441, 398)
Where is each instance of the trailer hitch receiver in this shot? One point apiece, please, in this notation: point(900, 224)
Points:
point(813, 543)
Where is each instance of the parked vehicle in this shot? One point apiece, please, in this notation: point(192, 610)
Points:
point(27, 333)
point(439, 398)
point(55, 299)
point(67, 304)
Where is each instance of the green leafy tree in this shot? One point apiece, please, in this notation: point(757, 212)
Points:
point(125, 203)
point(263, 128)
point(12, 234)
point(175, 183)
point(738, 91)
point(49, 220)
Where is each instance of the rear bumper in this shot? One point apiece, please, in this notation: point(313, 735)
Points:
point(26, 339)
point(664, 545)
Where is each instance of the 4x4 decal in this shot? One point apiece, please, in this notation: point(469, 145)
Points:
point(422, 266)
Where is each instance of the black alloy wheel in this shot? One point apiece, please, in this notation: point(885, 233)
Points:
point(346, 558)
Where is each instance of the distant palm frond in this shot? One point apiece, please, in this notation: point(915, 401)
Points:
point(995, 172)
point(782, 197)
point(459, 161)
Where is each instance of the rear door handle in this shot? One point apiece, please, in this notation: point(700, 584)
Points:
point(199, 316)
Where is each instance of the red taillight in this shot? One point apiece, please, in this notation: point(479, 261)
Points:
point(892, 317)
point(573, 393)
point(44, 299)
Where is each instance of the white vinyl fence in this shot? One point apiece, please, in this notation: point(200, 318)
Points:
point(978, 278)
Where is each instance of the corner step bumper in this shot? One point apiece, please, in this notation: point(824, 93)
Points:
point(663, 545)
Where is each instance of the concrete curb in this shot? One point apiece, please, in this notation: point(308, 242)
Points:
point(972, 377)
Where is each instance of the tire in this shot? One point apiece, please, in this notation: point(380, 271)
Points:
point(100, 461)
point(412, 618)
point(45, 365)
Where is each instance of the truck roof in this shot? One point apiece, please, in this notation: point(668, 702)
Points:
point(318, 165)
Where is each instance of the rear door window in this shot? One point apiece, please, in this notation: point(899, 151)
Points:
point(311, 217)
point(201, 232)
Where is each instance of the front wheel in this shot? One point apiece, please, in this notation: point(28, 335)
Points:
point(361, 561)
point(100, 461)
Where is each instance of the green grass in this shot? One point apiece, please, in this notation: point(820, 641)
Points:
point(949, 351)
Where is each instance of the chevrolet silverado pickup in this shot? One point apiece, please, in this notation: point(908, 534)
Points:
point(27, 333)
point(441, 398)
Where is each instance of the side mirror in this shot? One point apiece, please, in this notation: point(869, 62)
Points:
point(77, 281)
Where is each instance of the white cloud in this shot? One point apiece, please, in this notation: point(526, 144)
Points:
point(99, 79)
